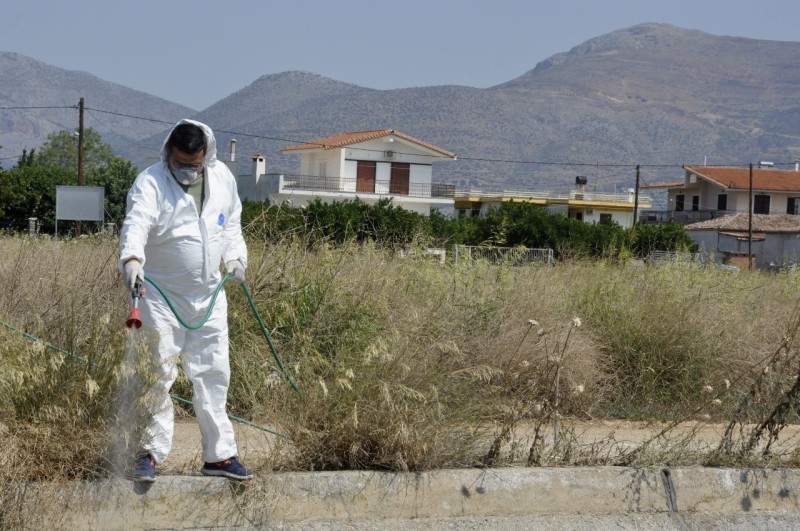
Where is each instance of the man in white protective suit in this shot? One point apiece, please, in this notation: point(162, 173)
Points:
point(183, 218)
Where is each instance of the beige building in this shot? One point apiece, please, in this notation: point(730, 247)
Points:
point(589, 207)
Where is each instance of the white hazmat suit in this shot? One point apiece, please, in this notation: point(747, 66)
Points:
point(180, 247)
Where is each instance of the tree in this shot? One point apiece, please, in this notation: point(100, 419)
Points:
point(61, 149)
point(116, 178)
point(26, 159)
point(522, 224)
point(30, 191)
point(669, 237)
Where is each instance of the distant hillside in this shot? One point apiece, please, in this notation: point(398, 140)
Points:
point(651, 94)
point(25, 82)
point(658, 93)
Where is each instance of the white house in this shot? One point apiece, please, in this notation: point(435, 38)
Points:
point(708, 192)
point(368, 165)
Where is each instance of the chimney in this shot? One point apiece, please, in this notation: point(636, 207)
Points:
point(259, 166)
point(233, 150)
point(797, 165)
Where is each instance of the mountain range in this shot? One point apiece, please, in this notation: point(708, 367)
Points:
point(651, 94)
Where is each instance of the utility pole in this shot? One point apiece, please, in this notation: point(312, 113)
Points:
point(636, 197)
point(80, 143)
point(750, 224)
point(80, 158)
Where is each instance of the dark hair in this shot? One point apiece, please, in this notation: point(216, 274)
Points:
point(188, 138)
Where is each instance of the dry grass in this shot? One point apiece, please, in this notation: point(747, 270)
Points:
point(405, 364)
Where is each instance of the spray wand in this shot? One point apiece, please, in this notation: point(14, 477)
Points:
point(134, 321)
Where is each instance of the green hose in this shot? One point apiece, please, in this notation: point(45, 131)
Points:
point(208, 314)
point(195, 327)
point(56, 348)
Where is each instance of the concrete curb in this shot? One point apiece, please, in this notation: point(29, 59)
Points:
point(346, 498)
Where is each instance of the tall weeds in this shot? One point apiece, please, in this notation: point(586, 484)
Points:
point(403, 363)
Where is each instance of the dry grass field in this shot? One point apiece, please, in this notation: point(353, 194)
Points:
point(403, 363)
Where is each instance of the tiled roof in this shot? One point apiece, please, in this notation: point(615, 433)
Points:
point(740, 222)
point(743, 234)
point(354, 137)
point(667, 184)
point(739, 178)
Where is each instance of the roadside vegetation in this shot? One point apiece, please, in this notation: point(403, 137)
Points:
point(403, 363)
point(510, 225)
point(400, 362)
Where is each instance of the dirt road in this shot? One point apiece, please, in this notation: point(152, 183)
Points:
point(602, 437)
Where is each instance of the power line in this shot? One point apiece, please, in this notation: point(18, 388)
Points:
point(130, 116)
point(261, 137)
point(580, 164)
point(264, 137)
point(473, 159)
point(630, 166)
point(38, 107)
point(111, 130)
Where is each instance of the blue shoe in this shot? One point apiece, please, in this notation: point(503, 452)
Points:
point(144, 470)
point(230, 468)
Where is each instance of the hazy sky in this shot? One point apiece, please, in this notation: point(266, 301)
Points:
point(196, 53)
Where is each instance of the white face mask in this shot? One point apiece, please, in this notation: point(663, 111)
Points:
point(186, 175)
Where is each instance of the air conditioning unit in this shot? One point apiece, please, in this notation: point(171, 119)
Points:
point(389, 154)
point(589, 211)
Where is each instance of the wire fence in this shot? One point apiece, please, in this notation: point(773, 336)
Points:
point(680, 259)
point(504, 255)
point(672, 257)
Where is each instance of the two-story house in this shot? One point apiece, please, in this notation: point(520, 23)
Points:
point(368, 165)
point(708, 192)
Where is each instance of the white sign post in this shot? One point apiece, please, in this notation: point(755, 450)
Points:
point(79, 203)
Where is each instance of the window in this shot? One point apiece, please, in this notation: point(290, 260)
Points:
point(695, 203)
point(679, 199)
point(722, 202)
point(605, 219)
point(761, 204)
point(793, 205)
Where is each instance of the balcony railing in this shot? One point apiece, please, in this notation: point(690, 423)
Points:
point(412, 189)
point(683, 216)
point(686, 216)
point(571, 195)
point(380, 187)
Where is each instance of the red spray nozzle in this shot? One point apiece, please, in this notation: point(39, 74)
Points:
point(133, 319)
